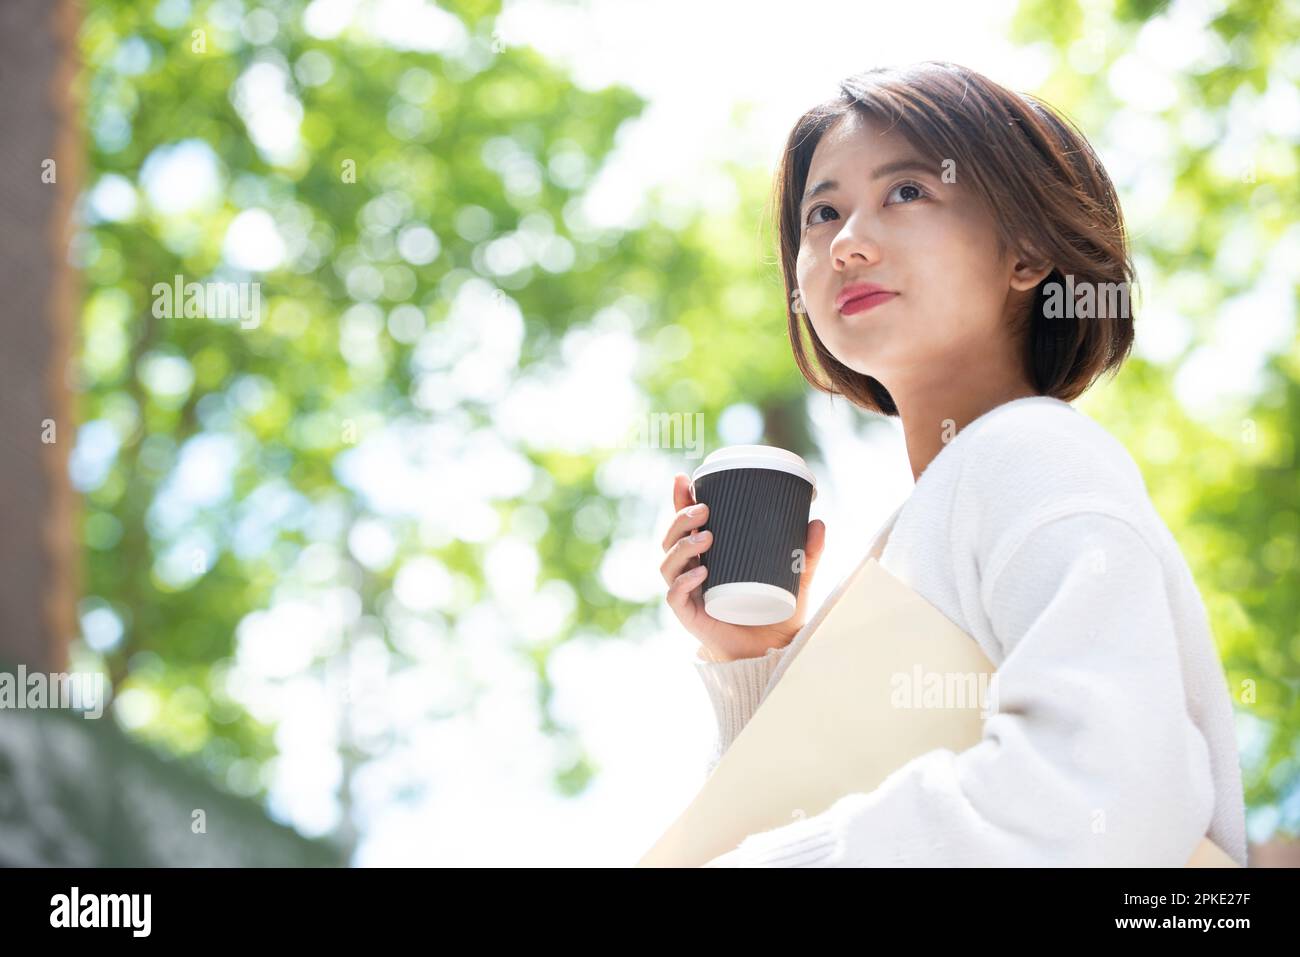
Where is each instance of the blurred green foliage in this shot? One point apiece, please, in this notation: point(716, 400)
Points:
point(418, 129)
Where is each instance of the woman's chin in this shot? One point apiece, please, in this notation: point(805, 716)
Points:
point(862, 366)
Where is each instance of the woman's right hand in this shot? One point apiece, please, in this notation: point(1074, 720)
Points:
point(685, 576)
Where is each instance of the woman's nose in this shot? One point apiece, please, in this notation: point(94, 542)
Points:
point(852, 244)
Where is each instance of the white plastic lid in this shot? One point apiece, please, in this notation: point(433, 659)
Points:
point(756, 457)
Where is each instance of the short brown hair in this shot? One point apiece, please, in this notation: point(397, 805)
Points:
point(1034, 171)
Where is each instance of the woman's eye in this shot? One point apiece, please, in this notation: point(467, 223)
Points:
point(813, 212)
point(914, 193)
point(917, 191)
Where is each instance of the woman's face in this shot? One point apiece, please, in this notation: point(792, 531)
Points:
point(926, 240)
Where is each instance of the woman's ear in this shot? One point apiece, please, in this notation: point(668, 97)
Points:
point(1029, 269)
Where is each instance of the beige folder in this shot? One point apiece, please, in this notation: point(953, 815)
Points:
point(803, 748)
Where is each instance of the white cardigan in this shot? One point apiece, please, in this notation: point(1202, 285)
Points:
point(1113, 740)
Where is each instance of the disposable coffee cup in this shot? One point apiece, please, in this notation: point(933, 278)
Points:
point(758, 498)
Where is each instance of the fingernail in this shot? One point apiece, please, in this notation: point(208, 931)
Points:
point(697, 536)
point(695, 511)
point(697, 571)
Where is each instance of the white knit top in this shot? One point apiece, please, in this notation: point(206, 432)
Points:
point(1113, 739)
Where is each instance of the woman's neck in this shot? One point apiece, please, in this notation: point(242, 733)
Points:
point(933, 415)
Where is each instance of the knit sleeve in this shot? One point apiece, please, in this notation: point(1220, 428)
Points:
point(1089, 757)
point(735, 690)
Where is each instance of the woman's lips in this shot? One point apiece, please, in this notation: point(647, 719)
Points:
point(863, 303)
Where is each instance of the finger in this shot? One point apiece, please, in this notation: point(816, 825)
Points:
point(679, 594)
point(816, 543)
point(814, 546)
point(682, 492)
point(684, 522)
point(684, 555)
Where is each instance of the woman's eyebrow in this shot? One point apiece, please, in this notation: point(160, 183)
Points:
point(911, 164)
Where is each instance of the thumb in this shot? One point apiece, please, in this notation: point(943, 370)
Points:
point(814, 544)
point(813, 548)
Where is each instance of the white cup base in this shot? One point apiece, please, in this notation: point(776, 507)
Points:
point(748, 603)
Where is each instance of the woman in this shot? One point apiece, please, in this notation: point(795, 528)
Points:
point(954, 255)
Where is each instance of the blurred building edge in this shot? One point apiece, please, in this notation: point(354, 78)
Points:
point(37, 319)
point(73, 791)
point(76, 792)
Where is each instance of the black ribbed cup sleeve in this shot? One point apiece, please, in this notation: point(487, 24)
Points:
point(759, 518)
